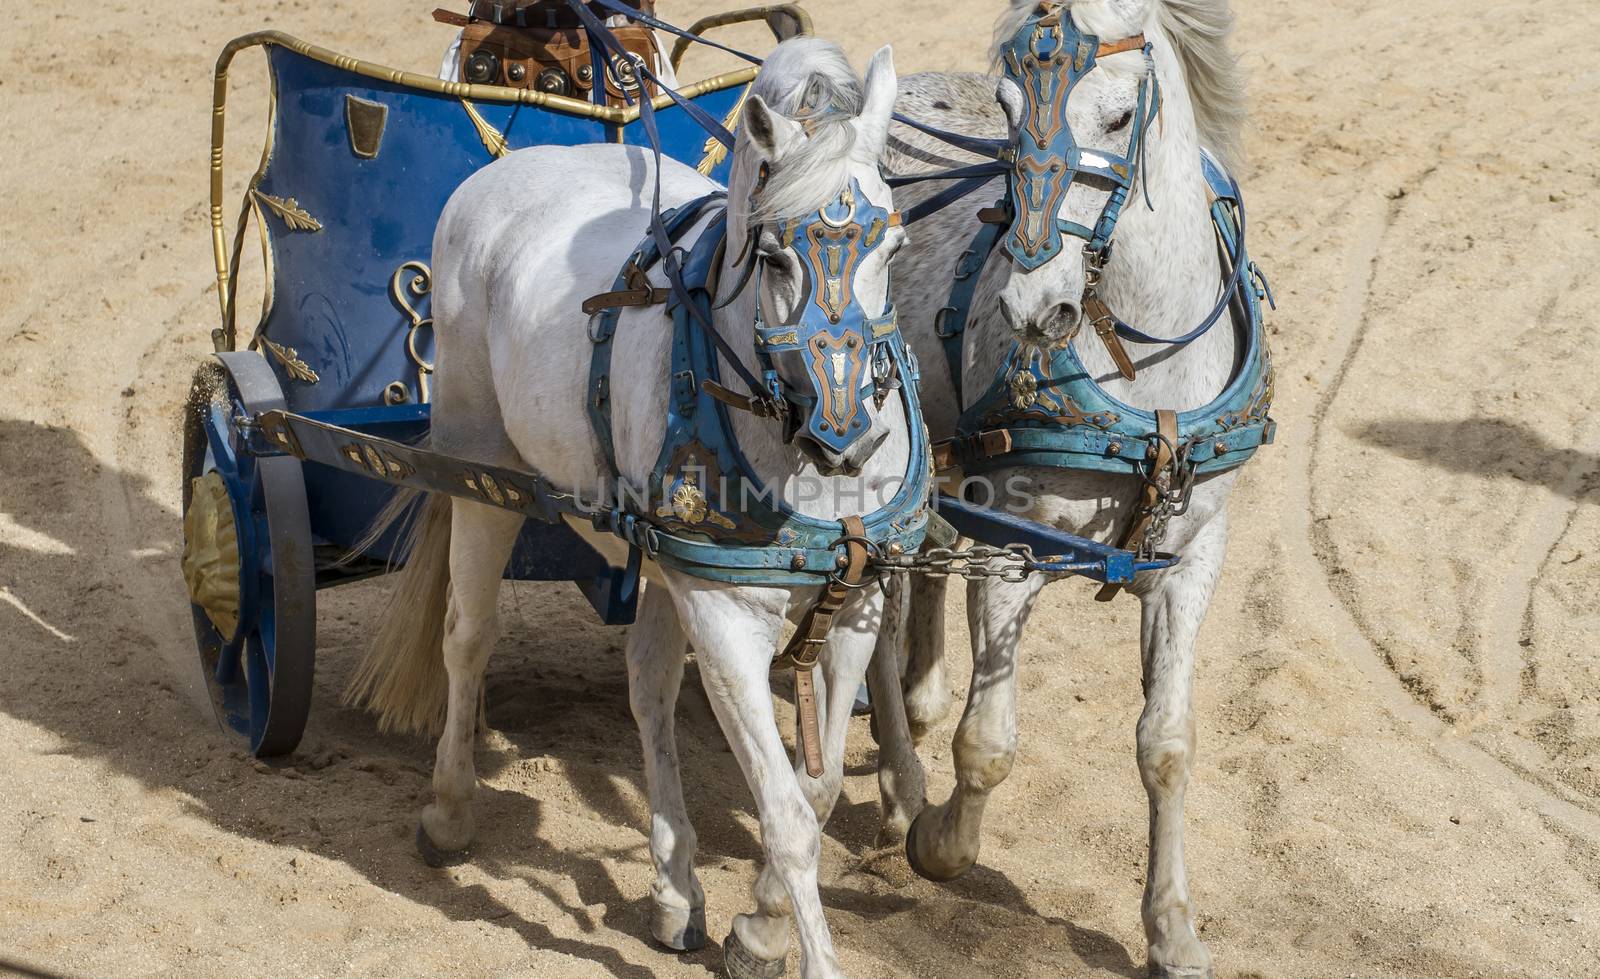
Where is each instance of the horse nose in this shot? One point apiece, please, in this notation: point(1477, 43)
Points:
point(1053, 324)
point(828, 461)
point(1009, 313)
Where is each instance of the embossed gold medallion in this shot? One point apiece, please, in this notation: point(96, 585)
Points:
point(689, 503)
point(1024, 389)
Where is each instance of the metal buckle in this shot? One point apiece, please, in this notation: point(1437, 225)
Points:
point(962, 271)
point(873, 556)
point(939, 321)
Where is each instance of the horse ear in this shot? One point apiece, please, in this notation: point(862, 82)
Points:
point(879, 93)
point(770, 133)
point(1009, 96)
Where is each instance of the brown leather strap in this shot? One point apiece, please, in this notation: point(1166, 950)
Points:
point(638, 293)
point(1105, 327)
point(450, 17)
point(805, 646)
point(761, 408)
point(1144, 511)
point(805, 704)
point(949, 453)
point(1131, 43)
point(993, 215)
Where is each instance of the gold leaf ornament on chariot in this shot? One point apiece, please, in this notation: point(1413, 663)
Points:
point(1024, 389)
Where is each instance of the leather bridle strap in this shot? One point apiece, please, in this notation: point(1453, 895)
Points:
point(805, 646)
point(1131, 43)
point(1161, 472)
point(1105, 327)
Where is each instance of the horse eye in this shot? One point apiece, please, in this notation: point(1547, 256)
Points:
point(1121, 123)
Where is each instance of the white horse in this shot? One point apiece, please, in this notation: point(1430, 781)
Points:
point(1163, 277)
point(519, 247)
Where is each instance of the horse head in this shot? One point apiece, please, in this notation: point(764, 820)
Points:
point(815, 223)
point(1079, 105)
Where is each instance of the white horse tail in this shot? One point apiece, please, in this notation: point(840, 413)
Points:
point(401, 676)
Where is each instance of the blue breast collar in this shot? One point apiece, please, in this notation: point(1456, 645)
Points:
point(1053, 414)
point(704, 511)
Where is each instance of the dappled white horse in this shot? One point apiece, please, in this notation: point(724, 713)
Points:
point(519, 248)
point(1163, 276)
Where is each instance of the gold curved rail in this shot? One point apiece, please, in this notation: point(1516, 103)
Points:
point(226, 336)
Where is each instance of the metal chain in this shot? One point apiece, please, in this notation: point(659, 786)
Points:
point(1173, 487)
point(1013, 562)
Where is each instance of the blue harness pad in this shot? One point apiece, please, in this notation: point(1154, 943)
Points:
point(704, 511)
point(1056, 416)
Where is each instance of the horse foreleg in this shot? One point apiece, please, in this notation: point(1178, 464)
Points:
point(1173, 609)
point(901, 782)
point(943, 842)
point(481, 539)
point(735, 632)
point(656, 647)
point(840, 671)
point(927, 694)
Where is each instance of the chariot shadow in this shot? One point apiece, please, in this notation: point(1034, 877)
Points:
point(1488, 447)
point(79, 661)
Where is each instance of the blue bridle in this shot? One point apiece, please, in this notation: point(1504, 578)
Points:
point(844, 351)
point(1046, 59)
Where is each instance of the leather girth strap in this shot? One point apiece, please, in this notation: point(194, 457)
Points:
point(805, 646)
point(1161, 474)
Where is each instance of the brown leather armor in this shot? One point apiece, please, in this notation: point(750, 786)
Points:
point(540, 45)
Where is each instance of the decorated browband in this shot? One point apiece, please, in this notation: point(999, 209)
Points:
point(1046, 59)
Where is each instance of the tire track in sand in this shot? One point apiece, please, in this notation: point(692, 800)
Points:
point(1354, 309)
point(1311, 545)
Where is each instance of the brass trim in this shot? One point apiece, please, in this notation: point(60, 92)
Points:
point(225, 261)
point(365, 120)
point(295, 217)
point(382, 464)
point(289, 357)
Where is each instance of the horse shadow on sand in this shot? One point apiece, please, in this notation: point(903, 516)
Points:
point(1490, 447)
point(89, 661)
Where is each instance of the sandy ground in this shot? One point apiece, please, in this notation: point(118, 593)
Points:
point(1398, 689)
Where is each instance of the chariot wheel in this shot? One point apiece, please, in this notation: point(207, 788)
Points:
point(247, 560)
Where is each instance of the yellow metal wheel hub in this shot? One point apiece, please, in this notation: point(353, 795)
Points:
point(211, 553)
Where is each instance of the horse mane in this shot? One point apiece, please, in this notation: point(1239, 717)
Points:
point(810, 81)
point(1199, 31)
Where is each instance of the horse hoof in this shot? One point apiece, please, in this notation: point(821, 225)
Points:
point(1158, 971)
point(923, 870)
point(741, 963)
point(680, 929)
point(435, 856)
